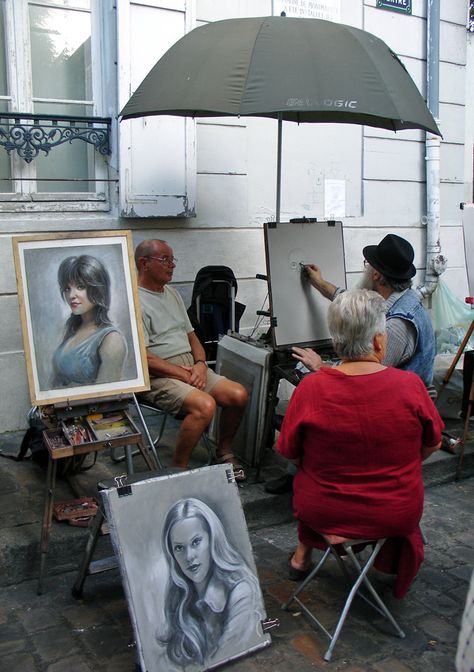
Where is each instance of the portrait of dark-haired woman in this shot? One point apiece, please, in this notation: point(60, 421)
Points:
point(92, 349)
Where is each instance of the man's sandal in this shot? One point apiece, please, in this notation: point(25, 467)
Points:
point(229, 458)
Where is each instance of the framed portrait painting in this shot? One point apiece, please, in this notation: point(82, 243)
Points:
point(80, 315)
point(187, 568)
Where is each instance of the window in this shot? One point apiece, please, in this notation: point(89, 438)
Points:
point(157, 154)
point(52, 74)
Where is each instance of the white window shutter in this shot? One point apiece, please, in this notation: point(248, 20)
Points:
point(157, 153)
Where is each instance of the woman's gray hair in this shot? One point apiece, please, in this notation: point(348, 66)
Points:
point(354, 318)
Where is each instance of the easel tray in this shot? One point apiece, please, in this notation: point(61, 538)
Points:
point(83, 434)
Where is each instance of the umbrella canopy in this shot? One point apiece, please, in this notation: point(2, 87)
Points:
point(303, 70)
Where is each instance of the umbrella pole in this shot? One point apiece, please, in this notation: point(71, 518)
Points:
point(278, 189)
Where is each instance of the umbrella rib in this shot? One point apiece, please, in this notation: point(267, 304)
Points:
point(380, 74)
point(251, 62)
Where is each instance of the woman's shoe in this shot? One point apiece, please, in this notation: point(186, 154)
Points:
point(298, 574)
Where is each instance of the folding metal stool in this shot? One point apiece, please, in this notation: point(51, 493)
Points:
point(361, 579)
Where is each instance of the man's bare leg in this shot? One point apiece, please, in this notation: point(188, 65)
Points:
point(199, 408)
point(232, 398)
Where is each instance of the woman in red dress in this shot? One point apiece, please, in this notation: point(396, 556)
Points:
point(359, 433)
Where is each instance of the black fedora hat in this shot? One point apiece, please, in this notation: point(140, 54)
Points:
point(393, 257)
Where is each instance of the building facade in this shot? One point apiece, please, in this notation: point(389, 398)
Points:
point(67, 163)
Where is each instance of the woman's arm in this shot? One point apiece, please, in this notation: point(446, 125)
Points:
point(290, 441)
point(112, 352)
point(432, 423)
point(426, 451)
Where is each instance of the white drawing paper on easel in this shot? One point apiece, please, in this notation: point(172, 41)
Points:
point(298, 311)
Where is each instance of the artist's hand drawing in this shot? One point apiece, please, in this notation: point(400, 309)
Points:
point(92, 350)
point(212, 597)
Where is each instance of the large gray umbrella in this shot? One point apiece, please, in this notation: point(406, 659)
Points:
point(303, 70)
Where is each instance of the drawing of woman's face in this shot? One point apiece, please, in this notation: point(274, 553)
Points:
point(76, 296)
point(191, 549)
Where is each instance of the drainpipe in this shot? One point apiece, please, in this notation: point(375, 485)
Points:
point(435, 261)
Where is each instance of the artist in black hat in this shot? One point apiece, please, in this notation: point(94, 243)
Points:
point(389, 271)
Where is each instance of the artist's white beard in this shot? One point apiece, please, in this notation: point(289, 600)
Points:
point(366, 282)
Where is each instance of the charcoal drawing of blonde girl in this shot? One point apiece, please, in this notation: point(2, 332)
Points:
point(213, 600)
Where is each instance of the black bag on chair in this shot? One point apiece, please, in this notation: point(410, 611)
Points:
point(467, 376)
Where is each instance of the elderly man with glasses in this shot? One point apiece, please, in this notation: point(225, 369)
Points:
point(180, 379)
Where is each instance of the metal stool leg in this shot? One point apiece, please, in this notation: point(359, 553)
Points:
point(152, 443)
point(381, 608)
point(209, 448)
point(309, 578)
point(362, 579)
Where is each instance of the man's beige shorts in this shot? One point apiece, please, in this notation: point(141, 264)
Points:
point(169, 394)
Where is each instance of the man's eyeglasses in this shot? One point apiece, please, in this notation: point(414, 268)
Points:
point(164, 260)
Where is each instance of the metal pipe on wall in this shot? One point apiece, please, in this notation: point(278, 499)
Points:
point(435, 261)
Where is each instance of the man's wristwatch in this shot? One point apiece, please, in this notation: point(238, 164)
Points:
point(201, 361)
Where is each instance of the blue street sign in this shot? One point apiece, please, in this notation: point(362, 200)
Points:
point(403, 6)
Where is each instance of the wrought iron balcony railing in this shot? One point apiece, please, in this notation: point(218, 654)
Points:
point(30, 134)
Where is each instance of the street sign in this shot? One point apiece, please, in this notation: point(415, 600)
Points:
point(403, 6)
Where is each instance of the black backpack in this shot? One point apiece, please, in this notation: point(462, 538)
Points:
point(212, 285)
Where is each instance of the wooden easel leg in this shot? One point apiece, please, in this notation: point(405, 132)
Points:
point(47, 519)
point(150, 461)
point(76, 590)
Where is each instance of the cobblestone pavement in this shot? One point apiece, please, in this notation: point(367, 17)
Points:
point(55, 633)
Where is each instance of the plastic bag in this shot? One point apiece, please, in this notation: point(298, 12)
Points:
point(451, 320)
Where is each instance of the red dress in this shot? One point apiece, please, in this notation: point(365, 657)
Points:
point(359, 442)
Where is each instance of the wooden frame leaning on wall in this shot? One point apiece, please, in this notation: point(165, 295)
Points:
point(80, 315)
